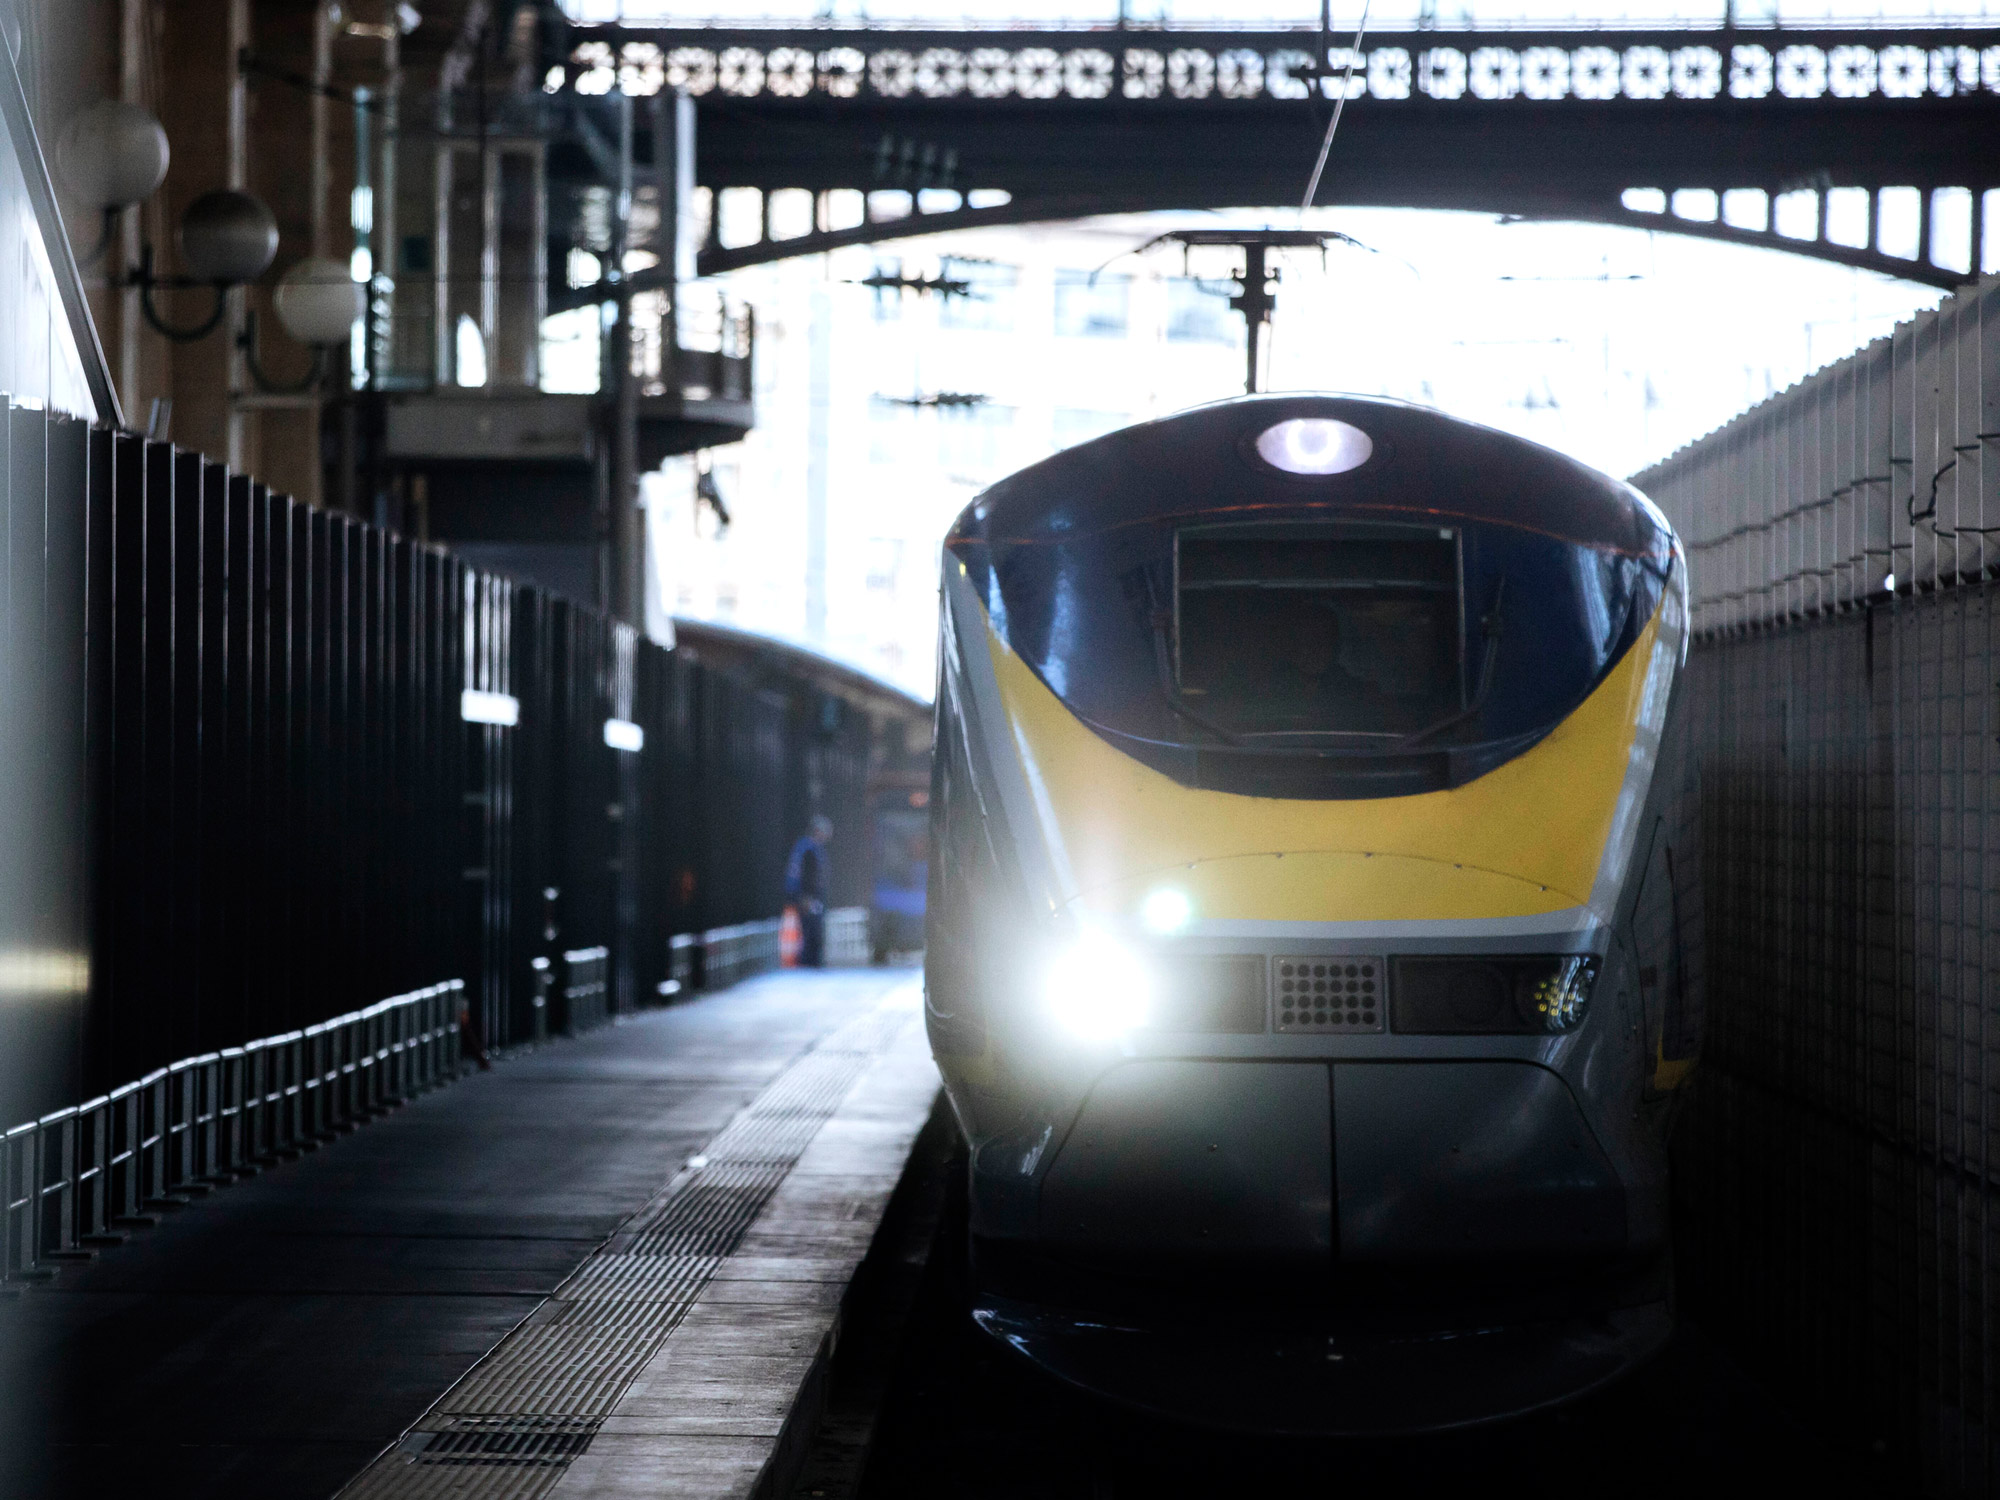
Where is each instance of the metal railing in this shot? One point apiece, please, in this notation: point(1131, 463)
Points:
point(729, 954)
point(586, 988)
point(683, 963)
point(723, 956)
point(847, 938)
point(715, 339)
point(72, 1179)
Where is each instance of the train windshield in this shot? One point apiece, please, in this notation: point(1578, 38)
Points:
point(1406, 624)
point(1314, 632)
point(1316, 659)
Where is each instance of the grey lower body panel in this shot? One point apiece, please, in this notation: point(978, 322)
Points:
point(1391, 1162)
point(1332, 1384)
point(1330, 1246)
point(1451, 1161)
point(1178, 1157)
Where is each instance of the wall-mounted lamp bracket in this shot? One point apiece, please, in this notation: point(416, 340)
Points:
point(247, 342)
point(146, 281)
point(105, 235)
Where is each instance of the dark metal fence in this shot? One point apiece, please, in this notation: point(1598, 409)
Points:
point(275, 762)
point(1836, 1169)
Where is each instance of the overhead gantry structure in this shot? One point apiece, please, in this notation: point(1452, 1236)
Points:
point(1796, 139)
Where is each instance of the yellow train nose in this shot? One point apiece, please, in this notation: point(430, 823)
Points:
point(1343, 885)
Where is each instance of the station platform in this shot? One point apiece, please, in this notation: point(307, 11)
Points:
point(611, 1266)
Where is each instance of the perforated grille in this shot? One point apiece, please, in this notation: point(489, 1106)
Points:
point(500, 1459)
point(509, 1443)
point(1328, 994)
point(507, 1430)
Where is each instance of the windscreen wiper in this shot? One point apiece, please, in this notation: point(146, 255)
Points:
point(1159, 618)
point(1490, 633)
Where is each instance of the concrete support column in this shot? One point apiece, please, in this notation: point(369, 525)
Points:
point(320, 170)
point(628, 597)
point(819, 424)
point(197, 74)
point(386, 257)
point(132, 90)
point(239, 177)
point(673, 168)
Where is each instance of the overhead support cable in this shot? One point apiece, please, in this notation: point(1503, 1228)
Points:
point(1339, 105)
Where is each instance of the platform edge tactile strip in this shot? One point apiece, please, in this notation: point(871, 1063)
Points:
point(528, 1412)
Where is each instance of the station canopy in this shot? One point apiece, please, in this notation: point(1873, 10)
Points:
point(1383, 15)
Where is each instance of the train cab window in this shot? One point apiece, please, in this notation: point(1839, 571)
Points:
point(1284, 632)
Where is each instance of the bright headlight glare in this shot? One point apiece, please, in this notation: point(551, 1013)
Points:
point(1314, 445)
point(1166, 910)
point(1097, 990)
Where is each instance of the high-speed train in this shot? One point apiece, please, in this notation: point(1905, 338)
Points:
point(1313, 937)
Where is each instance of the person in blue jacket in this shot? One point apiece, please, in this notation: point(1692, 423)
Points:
point(805, 889)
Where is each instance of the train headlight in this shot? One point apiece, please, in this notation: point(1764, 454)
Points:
point(1560, 997)
point(1490, 996)
point(1314, 446)
point(1097, 989)
point(1166, 911)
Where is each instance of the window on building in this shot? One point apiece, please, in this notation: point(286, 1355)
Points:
point(989, 302)
point(885, 564)
point(1073, 426)
point(572, 355)
point(889, 431)
point(974, 440)
point(471, 351)
point(1087, 308)
point(1199, 313)
point(888, 299)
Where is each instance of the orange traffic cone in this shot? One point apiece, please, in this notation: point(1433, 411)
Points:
point(791, 939)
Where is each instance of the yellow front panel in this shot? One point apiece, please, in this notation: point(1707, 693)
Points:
point(1522, 840)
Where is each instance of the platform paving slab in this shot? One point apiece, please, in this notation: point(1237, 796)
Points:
point(688, 1354)
point(749, 1358)
point(271, 1338)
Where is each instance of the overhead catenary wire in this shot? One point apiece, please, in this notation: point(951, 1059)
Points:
point(1339, 105)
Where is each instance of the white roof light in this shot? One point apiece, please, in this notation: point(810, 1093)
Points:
point(623, 734)
point(1314, 445)
point(476, 707)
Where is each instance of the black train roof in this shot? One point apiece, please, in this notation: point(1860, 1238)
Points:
point(1426, 468)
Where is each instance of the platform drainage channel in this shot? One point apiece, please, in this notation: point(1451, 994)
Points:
point(513, 1424)
point(506, 1444)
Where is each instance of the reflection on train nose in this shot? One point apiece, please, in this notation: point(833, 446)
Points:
point(1098, 990)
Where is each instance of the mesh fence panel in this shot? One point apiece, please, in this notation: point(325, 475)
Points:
point(1835, 1165)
